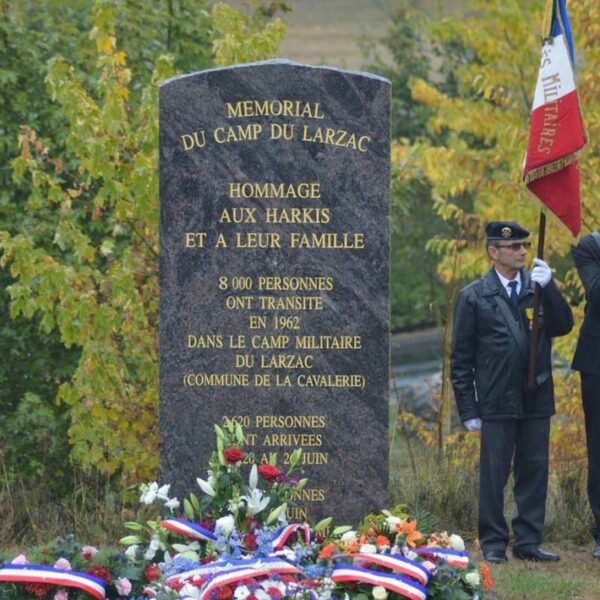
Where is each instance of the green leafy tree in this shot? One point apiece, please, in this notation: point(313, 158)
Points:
point(474, 168)
point(418, 296)
point(34, 359)
point(247, 37)
point(86, 264)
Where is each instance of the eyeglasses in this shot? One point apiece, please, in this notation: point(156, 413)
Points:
point(515, 246)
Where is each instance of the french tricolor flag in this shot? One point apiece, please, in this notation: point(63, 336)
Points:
point(556, 133)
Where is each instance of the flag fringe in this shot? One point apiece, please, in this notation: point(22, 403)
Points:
point(549, 168)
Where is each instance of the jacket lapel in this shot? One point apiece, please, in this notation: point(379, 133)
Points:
point(493, 287)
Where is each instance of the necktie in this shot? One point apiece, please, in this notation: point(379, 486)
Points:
point(514, 297)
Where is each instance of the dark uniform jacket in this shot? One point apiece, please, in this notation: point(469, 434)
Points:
point(490, 349)
point(587, 260)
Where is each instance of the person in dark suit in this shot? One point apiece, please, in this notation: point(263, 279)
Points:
point(587, 361)
point(489, 367)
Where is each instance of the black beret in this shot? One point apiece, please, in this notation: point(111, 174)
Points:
point(505, 230)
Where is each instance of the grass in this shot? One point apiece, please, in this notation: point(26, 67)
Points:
point(575, 576)
point(429, 484)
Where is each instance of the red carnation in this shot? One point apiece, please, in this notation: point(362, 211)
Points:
point(268, 472)
point(39, 590)
point(250, 541)
point(224, 593)
point(274, 593)
point(233, 455)
point(151, 572)
point(100, 572)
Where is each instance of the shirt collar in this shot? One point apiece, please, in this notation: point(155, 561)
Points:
point(505, 281)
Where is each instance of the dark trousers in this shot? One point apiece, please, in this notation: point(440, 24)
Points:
point(524, 443)
point(590, 394)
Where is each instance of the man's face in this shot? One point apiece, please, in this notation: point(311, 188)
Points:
point(509, 256)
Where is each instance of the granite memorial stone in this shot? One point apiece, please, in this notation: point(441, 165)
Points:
point(274, 183)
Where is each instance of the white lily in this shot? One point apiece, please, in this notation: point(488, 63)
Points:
point(253, 479)
point(206, 486)
point(172, 504)
point(149, 492)
point(163, 492)
point(153, 548)
point(255, 502)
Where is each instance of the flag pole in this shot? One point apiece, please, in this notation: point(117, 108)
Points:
point(537, 300)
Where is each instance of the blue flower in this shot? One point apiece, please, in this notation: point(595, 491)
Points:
point(178, 565)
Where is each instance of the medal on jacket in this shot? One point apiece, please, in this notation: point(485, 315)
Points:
point(529, 315)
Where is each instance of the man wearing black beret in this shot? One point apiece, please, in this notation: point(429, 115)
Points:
point(490, 359)
point(587, 361)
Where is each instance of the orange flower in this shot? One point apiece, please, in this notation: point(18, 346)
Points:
point(381, 541)
point(327, 551)
point(409, 529)
point(486, 576)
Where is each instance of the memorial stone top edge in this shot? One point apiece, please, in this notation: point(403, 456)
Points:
point(277, 61)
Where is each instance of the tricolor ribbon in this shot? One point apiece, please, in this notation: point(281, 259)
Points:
point(395, 583)
point(282, 535)
point(43, 574)
point(455, 558)
point(189, 530)
point(257, 568)
point(396, 563)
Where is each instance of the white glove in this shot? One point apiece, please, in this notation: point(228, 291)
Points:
point(473, 424)
point(541, 273)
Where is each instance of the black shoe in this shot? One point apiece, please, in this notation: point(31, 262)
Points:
point(535, 553)
point(495, 556)
point(596, 553)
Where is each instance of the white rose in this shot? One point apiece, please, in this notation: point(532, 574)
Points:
point(349, 537)
point(456, 542)
point(473, 579)
point(379, 592)
point(368, 549)
point(131, 552)
point(225, 524)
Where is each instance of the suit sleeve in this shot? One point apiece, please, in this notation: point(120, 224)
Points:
point(558, 317)
point(463, 357)
point(588, 268)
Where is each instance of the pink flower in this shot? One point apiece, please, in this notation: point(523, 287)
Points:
point(61, 595)
point(63, 563)
point(123, 586)
point(88, 552)
point(20, 560)
point(431, 567)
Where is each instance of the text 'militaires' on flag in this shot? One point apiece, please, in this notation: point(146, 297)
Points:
point(556, 133)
